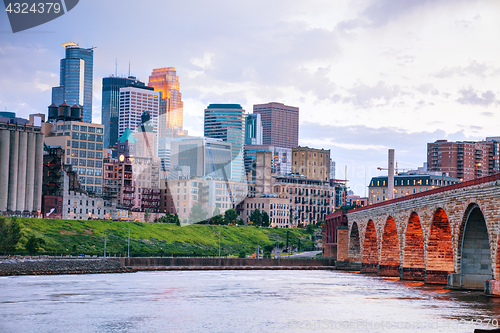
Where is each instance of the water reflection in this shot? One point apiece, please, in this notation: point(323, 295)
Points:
point(237, 301)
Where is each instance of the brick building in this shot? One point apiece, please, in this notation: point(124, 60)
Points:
point(277, 208)
point(312, 163)
point(465, 160)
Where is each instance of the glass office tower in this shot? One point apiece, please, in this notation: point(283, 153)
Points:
point(227, 122)
point(253, 129)
point(76, 78)
point(110, 106)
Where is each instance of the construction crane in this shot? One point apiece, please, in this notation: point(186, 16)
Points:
point(395, 169)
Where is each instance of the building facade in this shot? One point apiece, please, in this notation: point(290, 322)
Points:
point(166, 81)
point(111, 106)
point(312, 163)
point(21, 166)
point(83, 145)
point(406, 184)
point(133, 102)
point(280, 124)
point(465, 160)
point(253, 129)
point(277, 208)
point(76, 79)
point(227, 122)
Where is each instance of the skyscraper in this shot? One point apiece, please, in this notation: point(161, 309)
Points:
point(110, 106)
point(253, 129)
point(133, 102)
point(280, 124)
point(226, 122)
point(76, 77)
point(166, 81)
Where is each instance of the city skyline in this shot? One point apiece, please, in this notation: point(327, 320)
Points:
point(367, 76)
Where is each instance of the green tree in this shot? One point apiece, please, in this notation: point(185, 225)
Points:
point(269, 248)
point(217, 220)
point(10, 233)
point(240, 222)
point(242, 254)
point(216, 211)
point(291, 219)
point(147, 214)
point(197, 213)
point(230, 216)
point(256, 217)
point(310, 228)
point(265, 219)
point(33, 244)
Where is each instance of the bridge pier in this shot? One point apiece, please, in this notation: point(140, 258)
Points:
point(369, 267)
point(411, 273)
point(389, 270)
point(437, 277)
point(492, 288)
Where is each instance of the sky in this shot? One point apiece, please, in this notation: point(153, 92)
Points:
point(367, 75)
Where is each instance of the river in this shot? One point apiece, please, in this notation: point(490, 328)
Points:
point(238, 301)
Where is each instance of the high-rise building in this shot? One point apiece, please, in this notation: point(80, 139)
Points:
point(312, 163)
point(280, 124)
point(111, 105)
point(166, 81)
point(76, 78)
point(133, 102)
point(253, 129)
point(226, 122)
point(465, 160)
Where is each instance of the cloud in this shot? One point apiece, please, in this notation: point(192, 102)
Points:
point(365, 96)
point(474, 68)
point(470, 96)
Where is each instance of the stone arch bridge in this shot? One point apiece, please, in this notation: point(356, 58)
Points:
point(446, 235)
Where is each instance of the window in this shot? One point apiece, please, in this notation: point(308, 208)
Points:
point(99, 138)
point(83, 153)
point(82, 171)
point(82, 162)
point(98, 172)
point(83, 136)
point(90, 163)
point(99, 130)
point(91, 129)
point(74, 153)
point(75, 135)
point(83, 145)
point(74, 161)
point(99, 146)
point(83, 128)
point(98, 164)
point(74, 144)
point(68, 143)
point(90, 154)
point(91, 137)
point(75, 128)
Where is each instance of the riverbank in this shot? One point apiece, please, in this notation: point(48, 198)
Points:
point(12, 267)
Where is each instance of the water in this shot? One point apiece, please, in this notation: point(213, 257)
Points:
point(237, 301)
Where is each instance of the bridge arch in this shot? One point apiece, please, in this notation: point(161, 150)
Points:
point(389, 253)
point(474, 251)
point(370, 250)
point(413, 251)
point(439, 249)
point(354, 251)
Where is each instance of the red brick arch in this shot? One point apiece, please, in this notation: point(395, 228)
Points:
point(370, 250)
point(389, 253)
point(354, 244)
point(413, 260)
point(439, 249)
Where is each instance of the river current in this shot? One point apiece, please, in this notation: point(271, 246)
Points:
point(238, 301)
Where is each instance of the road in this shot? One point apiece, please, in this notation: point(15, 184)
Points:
point(309, 254)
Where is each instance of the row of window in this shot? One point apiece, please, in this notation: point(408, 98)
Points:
point(90, 129)
point(85, 136)
point(90, 180)
point(82, 162)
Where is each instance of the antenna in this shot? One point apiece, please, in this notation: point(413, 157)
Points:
point(116, 67)
point(129, 68)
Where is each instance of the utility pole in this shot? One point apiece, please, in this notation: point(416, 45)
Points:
point(219, 244)
point(104, 245)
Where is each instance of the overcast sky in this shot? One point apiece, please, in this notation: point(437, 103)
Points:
point(366, 75)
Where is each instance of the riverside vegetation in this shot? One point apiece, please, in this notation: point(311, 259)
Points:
point(55, 236)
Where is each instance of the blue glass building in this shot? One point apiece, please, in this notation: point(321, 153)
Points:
point(76, 77)
point(227, 122)
point(110, 106)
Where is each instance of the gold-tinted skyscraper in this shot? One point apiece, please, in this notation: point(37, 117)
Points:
point(166, 81)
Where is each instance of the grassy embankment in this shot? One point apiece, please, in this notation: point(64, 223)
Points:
point(73, 236)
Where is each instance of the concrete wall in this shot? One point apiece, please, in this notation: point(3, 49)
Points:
point(144, 262)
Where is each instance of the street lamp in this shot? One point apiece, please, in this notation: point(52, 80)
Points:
point(128, 244)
